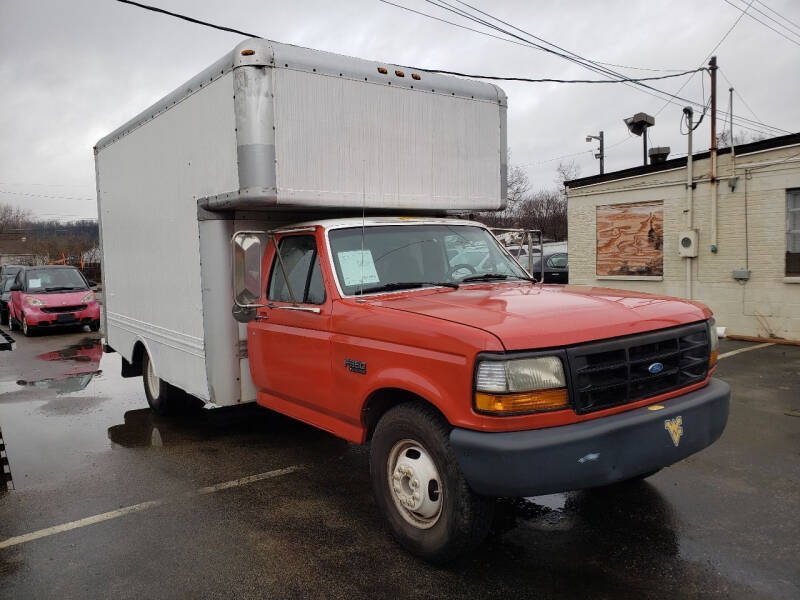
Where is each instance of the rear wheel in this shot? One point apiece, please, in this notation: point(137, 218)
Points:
point(161, 396)
point(94, 325)
point(3, 316)
point(419, 488)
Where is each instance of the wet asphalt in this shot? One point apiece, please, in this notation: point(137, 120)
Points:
point(80, 442)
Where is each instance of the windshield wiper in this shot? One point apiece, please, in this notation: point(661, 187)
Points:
point(405, 285)
point(494, 277)
point(62, 288)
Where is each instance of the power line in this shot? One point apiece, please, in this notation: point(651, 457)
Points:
point(738, 95)
point(773, 19)
point(573, 58)
point(779, 14)
point(710, 54)
point(46, 196)
point(547, 80)
point(186, 18)
point(757, 20)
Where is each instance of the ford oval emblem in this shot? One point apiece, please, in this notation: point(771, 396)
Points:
point(656, 367)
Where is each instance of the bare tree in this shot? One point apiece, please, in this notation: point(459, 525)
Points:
point(566, 172)
point(13, 218)
point(724, 138)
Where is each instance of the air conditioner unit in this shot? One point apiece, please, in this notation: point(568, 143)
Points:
point(687, 243)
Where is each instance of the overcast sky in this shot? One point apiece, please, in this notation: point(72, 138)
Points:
point(73, 71)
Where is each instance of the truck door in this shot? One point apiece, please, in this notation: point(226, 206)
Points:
point(289, 343)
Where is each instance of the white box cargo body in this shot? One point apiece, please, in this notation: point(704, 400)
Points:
point(269, 134)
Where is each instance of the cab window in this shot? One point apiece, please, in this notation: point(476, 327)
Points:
point(557, 261)
point(301, 260)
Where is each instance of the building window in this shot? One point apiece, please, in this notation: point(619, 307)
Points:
point(793, 232)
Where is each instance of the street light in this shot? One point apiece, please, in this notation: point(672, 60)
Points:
point(601, 154)
point(637, 125)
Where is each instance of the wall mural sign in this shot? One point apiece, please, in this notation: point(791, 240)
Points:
point(630, 239)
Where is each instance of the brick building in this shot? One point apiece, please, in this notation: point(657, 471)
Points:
point(639, 229)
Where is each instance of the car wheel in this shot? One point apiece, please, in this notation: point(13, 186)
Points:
point(419, 488)
point(161, 396)
point(27, 330)
point(4, 317)
point(94, 325)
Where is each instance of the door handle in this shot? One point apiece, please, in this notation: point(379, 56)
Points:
point(316, 311)
point(261, 317)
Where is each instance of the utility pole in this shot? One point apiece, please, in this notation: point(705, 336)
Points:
point(602, 153)
point(712, 67)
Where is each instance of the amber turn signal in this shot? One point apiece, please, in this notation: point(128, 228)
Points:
point(248, 52)
point(382, 71)
point(712, 360)
point(415, 76)
point(521, 403)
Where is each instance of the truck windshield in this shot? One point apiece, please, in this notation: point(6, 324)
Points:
point(398, 256)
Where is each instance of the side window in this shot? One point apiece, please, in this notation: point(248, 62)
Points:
point(301, 261)
point(557, 261)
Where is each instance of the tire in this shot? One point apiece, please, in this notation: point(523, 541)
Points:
point(4, 317)
point(161, 396)
point(449, 519)
point(27, 330)
point(94, 325)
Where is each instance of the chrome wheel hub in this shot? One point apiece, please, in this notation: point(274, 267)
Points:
point(415, 484)
point(152, 380)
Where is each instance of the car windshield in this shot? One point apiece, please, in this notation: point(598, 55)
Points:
point(391, 257)
point(54, 280)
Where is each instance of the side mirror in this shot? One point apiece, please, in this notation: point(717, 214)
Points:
point(248, 249)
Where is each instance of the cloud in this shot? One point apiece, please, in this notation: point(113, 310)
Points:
point(75, 71)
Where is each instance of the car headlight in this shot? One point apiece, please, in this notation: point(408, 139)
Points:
point(520, 385)
point(88, 297)
point(34, 301)
point(713, 339)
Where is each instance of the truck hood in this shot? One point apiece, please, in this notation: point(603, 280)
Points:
point(524, 316)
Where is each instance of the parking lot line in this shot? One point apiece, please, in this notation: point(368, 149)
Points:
point(121, 512)
point(747, 349)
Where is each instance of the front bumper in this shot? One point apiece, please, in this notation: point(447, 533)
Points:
point(36, 317)
point(591, 453)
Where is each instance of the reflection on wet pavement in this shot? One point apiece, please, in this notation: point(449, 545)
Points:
point(81, 441)
point(86, 355)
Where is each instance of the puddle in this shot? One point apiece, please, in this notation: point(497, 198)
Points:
point(52, 425)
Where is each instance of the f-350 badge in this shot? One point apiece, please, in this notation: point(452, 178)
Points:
point(675, 429)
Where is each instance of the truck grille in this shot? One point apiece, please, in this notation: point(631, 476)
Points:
point(63, 309)
point(614, 372)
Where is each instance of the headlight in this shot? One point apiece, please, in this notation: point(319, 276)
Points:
point(34, 301)
point(520, 385)
point(88, 297)
point(714, 343)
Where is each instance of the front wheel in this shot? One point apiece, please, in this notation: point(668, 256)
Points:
point(419, 488)
point(26, 329)
point(94, 325)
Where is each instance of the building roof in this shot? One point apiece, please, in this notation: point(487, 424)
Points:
point(676, 163)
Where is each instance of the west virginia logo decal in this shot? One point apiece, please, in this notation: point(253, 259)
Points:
point(675, 429)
